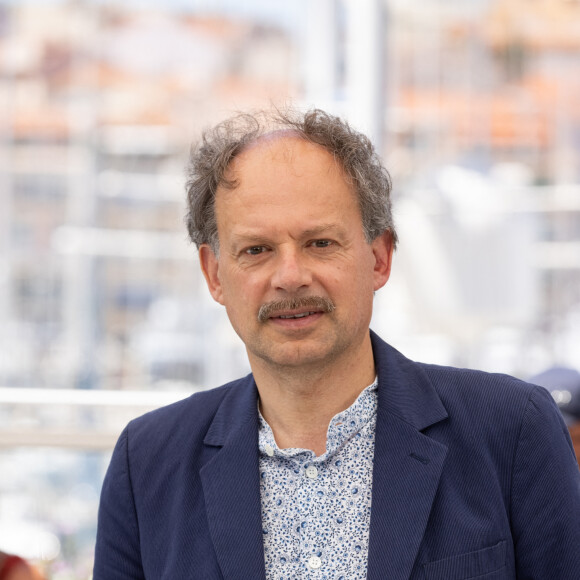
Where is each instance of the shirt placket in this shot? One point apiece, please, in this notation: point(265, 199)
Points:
point(312, 515)
point(326, 505)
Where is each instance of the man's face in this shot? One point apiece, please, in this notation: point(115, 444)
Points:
point(294, 272)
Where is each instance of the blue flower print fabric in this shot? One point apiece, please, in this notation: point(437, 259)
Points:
point(316, 510)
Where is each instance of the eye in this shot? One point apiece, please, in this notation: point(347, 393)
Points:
point(321, 243)
point(255, 250)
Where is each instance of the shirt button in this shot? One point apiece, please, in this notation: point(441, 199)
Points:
point(269, 450)
point(314, 562)
point(311, 472)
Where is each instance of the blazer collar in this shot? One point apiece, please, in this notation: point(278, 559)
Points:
point(405, 390)
point(238, 411)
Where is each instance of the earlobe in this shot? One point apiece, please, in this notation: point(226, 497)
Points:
point(209, 264)
point(383, 252)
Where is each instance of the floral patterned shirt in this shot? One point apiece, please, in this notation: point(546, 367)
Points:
point(316, 510)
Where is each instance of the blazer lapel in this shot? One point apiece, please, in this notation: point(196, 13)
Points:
point(231, 488)
point(407, 464)
point(406, 476)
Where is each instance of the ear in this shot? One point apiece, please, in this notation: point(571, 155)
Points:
point(210, 267)
point(382, 247)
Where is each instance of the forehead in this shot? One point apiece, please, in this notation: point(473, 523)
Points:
point(284, 152)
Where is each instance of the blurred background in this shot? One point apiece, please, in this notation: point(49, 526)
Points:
point(473, 104)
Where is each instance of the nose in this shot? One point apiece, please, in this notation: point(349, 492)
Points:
point(291, 271)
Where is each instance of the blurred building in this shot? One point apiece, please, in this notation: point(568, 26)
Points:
point(482, 138)
point(100, 105)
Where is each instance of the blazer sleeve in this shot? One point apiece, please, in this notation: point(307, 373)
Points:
point(545, 506)
point(117, 551)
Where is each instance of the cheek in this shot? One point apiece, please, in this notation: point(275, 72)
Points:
point(242, 291)
point(364, 285)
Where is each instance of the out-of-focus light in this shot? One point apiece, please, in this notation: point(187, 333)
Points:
point(562, 397)
point(70, 240)
point(29, 541)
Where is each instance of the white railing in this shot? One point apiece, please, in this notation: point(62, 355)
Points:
point(51, 417)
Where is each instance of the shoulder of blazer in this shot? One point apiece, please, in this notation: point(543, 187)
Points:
point(486, 409)
point(190, 419)
point(472, 399)
point(458, 386)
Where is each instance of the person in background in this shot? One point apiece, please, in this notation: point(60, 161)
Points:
point(337, 457)
point(575, 435)
point(14, 567)
point(564, 385)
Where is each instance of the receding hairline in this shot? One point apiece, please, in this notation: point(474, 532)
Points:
point(274, 137)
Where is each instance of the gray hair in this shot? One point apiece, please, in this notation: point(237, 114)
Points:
point(211, 157)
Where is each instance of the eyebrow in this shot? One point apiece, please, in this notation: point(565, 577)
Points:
point(242, 238)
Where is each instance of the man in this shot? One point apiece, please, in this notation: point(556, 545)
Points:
point(337, 457)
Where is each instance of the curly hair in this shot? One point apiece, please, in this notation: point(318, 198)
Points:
point(210, 158)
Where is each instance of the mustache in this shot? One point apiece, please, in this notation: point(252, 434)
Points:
point(315, 303)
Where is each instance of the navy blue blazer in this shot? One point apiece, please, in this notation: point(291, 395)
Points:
point(474, 478)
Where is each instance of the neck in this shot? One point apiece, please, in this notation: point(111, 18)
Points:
point(298, 403)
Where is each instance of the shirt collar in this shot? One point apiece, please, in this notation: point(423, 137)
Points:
point(342, 428)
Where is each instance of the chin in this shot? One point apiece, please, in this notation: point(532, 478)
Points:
point(300, 354)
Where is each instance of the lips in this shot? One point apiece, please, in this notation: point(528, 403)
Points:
point(289, 316)
point(294, 308)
